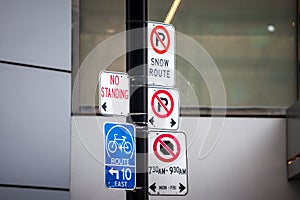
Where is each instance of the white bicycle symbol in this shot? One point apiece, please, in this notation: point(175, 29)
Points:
point(120, 144)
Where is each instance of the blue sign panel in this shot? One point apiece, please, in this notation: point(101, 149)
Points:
point(119, 148)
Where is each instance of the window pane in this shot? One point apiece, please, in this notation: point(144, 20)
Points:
point(252, 43)
point(100, 20)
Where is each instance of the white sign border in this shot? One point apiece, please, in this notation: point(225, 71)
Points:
point(149, 107)
point(174, 52)
point(187, 166)
point(104, 164)
point(99, 83)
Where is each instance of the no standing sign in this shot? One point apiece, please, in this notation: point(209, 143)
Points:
point(113, 93)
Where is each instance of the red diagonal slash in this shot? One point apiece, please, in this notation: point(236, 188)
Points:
point(167, 148)
point(156, 34)
point(162, 104)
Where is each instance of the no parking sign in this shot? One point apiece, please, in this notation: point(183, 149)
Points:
point(163, 108)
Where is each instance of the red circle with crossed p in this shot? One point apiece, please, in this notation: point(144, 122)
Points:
point(160, 39)
point(159, 97)
point(163, 150)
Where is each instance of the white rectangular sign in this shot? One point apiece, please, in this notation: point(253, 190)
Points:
point(167, 172)
point(163, 108)
point(161, 50)
point(114, 93)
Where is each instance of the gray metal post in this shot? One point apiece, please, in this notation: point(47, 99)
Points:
point(136, 66)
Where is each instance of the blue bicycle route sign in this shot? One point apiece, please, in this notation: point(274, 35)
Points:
point(119, 153)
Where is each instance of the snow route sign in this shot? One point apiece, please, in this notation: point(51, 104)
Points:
point(161, 50)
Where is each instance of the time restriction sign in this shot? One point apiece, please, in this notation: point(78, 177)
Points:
point(163, 108)
point(161, 59)
point(167, 171)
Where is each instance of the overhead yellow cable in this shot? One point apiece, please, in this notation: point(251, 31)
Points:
point(172, 11)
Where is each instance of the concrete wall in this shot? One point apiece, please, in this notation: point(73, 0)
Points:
point(35, 86)
point(248, 162)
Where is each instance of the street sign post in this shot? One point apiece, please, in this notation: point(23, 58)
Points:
point(136, 66)
point(163, 108)
point(119, 153)
point(167, 163)
point(161, 49)
point(113, 93)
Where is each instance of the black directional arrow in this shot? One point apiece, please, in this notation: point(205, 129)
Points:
point(151, 120)
point(181, 187)
point(104, 106)
point(153, 187)
point(172, 122)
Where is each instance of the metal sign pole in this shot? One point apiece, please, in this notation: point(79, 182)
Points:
point(136, 67)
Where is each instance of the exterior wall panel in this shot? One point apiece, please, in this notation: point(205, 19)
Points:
point(31, 194)
point(248, 161)
point(35, 127)
point(36, 32)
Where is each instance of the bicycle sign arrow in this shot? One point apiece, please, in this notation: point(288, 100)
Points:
point(119, 153)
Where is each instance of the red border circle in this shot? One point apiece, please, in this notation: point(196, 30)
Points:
point(151, 39)
point(155, 95)
point(158, 155)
